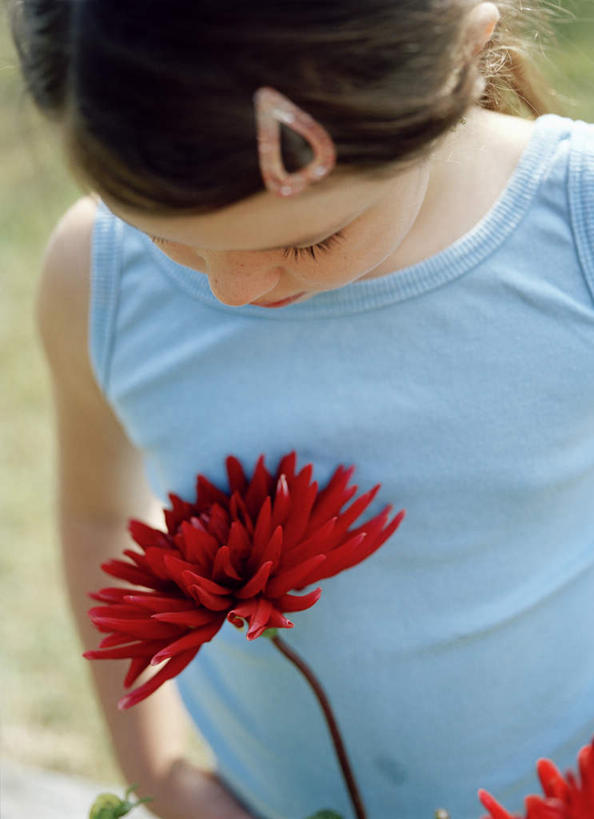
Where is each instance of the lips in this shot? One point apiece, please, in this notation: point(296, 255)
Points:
point(280, 303)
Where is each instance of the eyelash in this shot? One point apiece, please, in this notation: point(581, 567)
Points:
point(298, 252)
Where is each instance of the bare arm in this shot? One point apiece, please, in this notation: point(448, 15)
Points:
point(100, 486)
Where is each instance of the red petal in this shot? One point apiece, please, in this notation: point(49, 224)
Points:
point(193, 640)
point(261, 535)
point(342, 558)
point(173, 667)
point(292, 602)
point(536, 808)
point(218, 523)
point(204, 583)
point(139, 558)
point(177, 568)
point(207, 494)
point(139, 577)
point(114, 594)
point(163, 603)
point(260, 620)
point(287, 466)
point(282, 502)
point(391, 527)
point(495, 809)
point(355, 510)
point(239, 543)
point(137, 666)
point(278, 620)
point(188, 619)
point(291, 578)
point(147, 536)
point(314, 545)
point(271, 552)
point(223, 568)
point(274, 548)
point(551, 780)
point(239, 511)
point(214, 602)
point(117, 610)
point(260, 487)
point(180, 510)
point(114, 640)
point(257, 583)
point(586, 764)
point(244, 610)
point(200, 547)
point(144, 649)
point(333, 497)
point(375, 536)
point(303, 496)
point(137, 629)
point(236, 475)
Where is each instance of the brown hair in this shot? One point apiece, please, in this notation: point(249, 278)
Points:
point(156, 99)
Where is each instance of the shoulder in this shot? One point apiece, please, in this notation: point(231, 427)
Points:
point(67, 260)
point(64, 287)
point(582, 156)
point(581, 194)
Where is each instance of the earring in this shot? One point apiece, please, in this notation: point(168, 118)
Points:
point(273, 108)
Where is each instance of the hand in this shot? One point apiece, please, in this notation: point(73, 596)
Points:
point(187, 792)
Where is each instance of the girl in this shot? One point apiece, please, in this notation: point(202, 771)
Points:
point(402, 280)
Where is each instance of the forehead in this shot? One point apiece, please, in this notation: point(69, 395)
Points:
point(264, 221)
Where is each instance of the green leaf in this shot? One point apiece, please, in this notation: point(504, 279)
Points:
point(105, 807)
point(110, 806)
point(325, 814)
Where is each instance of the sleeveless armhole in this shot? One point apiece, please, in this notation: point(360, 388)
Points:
point(104, 294)
point(581, 193)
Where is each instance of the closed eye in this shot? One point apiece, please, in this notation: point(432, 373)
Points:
point(299, 252)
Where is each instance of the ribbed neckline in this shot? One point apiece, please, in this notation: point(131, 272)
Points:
point(408, 282)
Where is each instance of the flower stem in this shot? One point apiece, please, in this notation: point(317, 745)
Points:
point(331, 722)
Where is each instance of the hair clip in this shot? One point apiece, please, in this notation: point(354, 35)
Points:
point(272, 108)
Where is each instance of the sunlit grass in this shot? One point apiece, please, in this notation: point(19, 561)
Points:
point(49, 717)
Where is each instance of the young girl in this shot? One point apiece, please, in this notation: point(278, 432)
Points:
point(403, 281)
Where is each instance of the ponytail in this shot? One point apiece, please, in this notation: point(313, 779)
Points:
point(515, 84)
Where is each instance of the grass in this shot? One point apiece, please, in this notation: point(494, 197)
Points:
point(49, 716)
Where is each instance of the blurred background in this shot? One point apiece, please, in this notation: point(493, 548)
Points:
point(49, 718)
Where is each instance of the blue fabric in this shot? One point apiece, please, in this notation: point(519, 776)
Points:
point(461, 652)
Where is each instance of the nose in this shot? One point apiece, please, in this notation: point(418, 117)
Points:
point(236, 281)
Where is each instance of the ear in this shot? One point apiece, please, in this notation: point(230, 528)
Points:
point(480, 25)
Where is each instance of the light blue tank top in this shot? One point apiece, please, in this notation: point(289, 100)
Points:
point(461, 651)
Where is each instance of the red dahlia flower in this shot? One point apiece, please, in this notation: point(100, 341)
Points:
point(232, 556)
point(564, 798)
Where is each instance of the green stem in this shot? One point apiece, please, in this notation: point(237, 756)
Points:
point(330, 721)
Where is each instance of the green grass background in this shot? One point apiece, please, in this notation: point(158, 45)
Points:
point(48, 714)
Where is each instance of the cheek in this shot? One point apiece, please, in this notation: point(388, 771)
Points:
point(345, 265)
point(330, 271)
